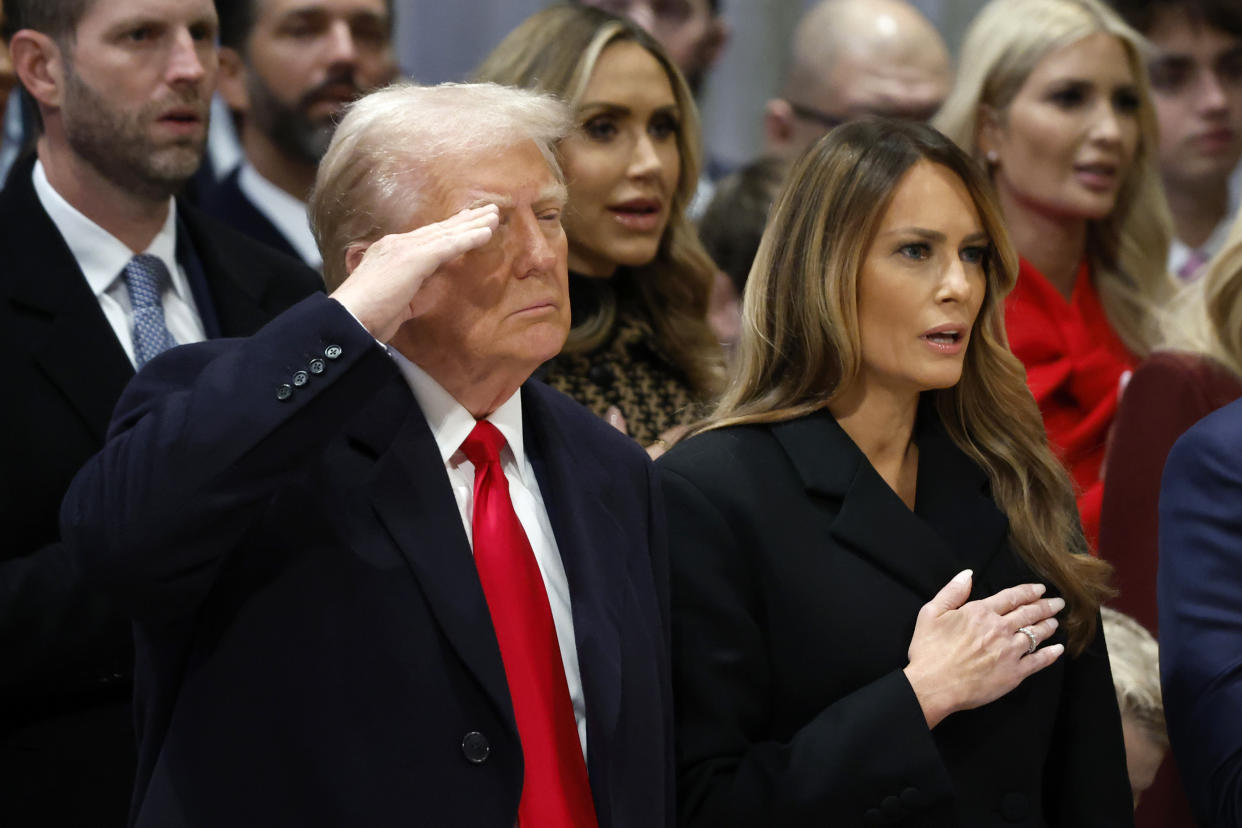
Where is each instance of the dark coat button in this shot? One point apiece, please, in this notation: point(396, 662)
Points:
point(317, 365)
point(300, 378)
point(873, 817)
point(892, 809)
point(601, 375)
point(914, 799)
point(332, 352)
point(474, 744)
point(284, 392)
point(1015, 807)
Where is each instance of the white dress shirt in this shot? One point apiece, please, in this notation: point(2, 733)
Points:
point(283, 210)
point(450, 424)
point(102, 258)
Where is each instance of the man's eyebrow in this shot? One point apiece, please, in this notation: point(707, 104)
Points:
point(553, 192)
point(500, 200)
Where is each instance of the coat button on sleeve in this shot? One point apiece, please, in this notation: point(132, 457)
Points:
point(284, 392)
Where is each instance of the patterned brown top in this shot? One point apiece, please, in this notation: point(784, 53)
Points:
point(628, 370)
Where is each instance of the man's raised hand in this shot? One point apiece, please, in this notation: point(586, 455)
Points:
point(384, 276)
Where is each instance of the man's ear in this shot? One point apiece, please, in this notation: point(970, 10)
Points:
point(231, 80)
point(39, 65)
point(778, 123)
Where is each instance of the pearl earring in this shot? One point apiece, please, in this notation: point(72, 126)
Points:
point(992, 157)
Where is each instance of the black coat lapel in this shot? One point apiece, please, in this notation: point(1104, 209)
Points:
point(919, 549)
point(410, 492)
point(238, 289)
point(67, 334)
point(954, 496)
point(575, 492)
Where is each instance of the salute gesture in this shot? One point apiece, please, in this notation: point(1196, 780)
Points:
point(385, 275)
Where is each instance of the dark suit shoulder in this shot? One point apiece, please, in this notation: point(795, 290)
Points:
point(724, 457)
point(226, 202)
point(247, 254)
point(581, 426)
point(1217, 435)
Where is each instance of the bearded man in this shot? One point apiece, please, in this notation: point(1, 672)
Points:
point(288, 68)
point(103, 269)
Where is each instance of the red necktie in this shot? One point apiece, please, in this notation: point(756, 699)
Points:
point(555, 791)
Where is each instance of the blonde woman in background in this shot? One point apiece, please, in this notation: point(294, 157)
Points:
point(1053, 100)
point(639, 278)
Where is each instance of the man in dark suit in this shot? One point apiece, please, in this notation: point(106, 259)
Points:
point(288, 68)
point(378, 576)
point(1199, 593)
point(122, 91)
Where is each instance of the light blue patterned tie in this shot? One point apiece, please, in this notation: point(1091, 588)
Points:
point(146, 277)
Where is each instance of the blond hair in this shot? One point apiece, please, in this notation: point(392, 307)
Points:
point(556, 50)
point(1209, 310)
point(1134, 658)
point(801, 344)
point(1127, 250)
point(392, 150)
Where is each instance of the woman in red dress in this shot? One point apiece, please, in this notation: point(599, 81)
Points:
point(1053, 99)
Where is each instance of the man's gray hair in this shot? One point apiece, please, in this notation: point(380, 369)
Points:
point(397, 146)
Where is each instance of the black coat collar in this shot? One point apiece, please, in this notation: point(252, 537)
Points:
point(955, 524)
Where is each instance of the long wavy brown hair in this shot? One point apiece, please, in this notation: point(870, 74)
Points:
point(801, 344)
point(555, 50)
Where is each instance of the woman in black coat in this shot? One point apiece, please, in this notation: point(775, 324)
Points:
point(882, 612)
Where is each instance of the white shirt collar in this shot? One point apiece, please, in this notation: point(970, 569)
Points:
point(283, 210)
point(101, 255)
point(449, 420)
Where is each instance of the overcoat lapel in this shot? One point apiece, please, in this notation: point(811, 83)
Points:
point(410, 492)
point(575, 493)
point(920, 549)
point(66, 322)
point(236, 292)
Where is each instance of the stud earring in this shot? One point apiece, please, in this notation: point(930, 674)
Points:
point(993, 158)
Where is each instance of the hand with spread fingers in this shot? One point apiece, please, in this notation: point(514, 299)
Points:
point(386, 275)
point(964, 655)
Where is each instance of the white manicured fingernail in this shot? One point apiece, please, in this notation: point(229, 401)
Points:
point(963, 576)
point(1057, 604)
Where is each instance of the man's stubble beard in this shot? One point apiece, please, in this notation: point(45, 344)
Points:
point(120, 148)
point(290, 127)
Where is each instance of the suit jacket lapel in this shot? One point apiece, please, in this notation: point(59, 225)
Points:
point(69, 337)
point(410, 491)
point(872, 520)
point(235, 289)
point(575, 492)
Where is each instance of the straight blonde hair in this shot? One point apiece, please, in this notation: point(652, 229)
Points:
point(801, 344)
point(1209, 311)
point(1129, 249)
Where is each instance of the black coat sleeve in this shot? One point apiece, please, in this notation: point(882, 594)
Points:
point(1085, 778)
point(199, 443)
